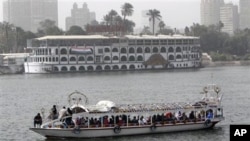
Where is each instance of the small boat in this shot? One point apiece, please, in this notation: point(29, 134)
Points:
point(108, 119)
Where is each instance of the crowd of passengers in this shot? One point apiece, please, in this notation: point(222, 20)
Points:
point(121, 120)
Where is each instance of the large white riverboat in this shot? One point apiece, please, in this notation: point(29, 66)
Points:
point(110, 53)
point(108, 119)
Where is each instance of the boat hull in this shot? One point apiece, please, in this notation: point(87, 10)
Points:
point(124, 130)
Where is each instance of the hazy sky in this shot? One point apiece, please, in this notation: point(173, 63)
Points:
point(175, 13)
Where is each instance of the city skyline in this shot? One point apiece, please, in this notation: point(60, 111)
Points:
point(175, 13)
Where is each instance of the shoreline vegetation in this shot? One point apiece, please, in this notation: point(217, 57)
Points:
point(225, 63)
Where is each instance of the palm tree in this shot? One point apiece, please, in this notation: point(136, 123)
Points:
point(161, 25)
point(153, 15)
point(127, 10)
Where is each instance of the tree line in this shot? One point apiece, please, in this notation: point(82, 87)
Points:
point(220, 45)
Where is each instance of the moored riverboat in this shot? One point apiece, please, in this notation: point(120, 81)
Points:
point(108, 119)
point(88, 53)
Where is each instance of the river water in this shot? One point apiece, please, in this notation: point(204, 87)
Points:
point(23, 95)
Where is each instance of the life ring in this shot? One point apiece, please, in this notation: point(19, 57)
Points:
point(77, 130)
point(117, 129)
point(207, 122)
point(153, 127)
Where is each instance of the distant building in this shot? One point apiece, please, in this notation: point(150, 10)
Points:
point(80, 16)
point(244, 14)
point(210, 11)
point(27, 14)
point(230, 18)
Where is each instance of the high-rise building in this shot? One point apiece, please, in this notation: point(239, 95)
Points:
point(229, 16)
point(244, 14)
point(80, 16)
point(27, 14)
point(210, 11)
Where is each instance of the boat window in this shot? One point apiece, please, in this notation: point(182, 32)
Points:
point(131, 58)
point(131, 50)
point(106, 50)
point(147, 50)
point(139, 50)
point(123, 58)
point(123, 50)
point(100, 50)
point(155, 50)
point(155, 42)
point(115, 49)
point(140, 58)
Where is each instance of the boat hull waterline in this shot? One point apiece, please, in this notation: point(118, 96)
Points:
point(124, 130)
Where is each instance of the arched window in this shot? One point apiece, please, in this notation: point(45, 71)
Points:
point(123, 50)
point(178, 49)
point(72, 68)
point(131, 50)
point(140, 58)
point(90, 58)
point(139, 50)
point(178, 56)
point(99, 68)
point(132, 67)
point(64, 59)
point(171, 57)
point(64, 68)
point(163, 49)
point(124, 67)
point(115, 50)
point(123, 58)
point(107, 68)
point(115, 58)
point(170, 49)
point(72, 59)
point(106, 58)
point(131, 58)
point(64, 51)
point(115, 67)
point(81, 58)
point(155, 50)
point(147, 50)
point(90, 68)
point(81, 68)
point(106, 50)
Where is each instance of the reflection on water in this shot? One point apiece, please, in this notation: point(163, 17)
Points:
point(22, 96)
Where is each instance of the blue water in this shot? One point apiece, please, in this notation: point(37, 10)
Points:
point(22, 96)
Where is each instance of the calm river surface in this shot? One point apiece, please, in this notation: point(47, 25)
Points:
point(22, 97)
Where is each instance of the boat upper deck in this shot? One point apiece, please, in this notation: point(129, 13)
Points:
point(100, 40)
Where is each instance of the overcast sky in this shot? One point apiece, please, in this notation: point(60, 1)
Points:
point(175, 13)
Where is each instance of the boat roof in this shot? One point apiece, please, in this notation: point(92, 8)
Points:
point(65, 37)
point(128, 108)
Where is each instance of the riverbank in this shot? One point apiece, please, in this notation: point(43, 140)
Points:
point(226, 63)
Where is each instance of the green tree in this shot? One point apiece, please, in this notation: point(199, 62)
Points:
point(153, 15)
point(127, 10)
point(161, 26)
point(48, 27)
point(75, 30)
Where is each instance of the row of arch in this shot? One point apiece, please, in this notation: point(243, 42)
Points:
point(131, 58)
point(137, 50)
point(95, 68)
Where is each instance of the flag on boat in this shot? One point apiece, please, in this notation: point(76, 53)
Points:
point(81, 50)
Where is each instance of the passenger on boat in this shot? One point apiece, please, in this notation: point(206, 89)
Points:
point(69, 119)
point(62, 113)
point(53, 113)
point(142, 120)
point(38, 120)
point(210, 114)
point(191, 115)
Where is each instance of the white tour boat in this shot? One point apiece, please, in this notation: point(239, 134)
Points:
point(87, 53)
point(107, 119)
